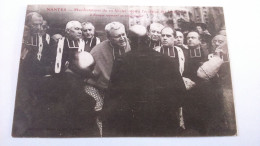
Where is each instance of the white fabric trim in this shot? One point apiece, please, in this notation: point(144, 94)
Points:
point(181, 59)
point(39, 54)
point(81, 45)
point(59, 55)
point(98, 40)
point(48, 38)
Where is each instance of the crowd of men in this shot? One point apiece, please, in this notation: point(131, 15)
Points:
point(147, 82)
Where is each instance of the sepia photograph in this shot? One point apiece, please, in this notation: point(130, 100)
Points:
point(124, 71)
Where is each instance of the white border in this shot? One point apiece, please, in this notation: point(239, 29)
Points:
point(242, 24)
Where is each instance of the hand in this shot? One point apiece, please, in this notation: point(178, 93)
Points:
point(67, 65)
point(24, 52)
point(188, 83)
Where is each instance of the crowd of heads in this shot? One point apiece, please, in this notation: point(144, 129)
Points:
point(116, 32)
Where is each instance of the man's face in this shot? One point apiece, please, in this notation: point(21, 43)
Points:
point(199, 29)
point(36, 24)
point(155, 33)
point(26, 32)
point(45, 27)
point(218, 40)
point(75, 32)
point(179, 39)
point(167, 38)
point(118, 37)
point(193, 39)
point(88, 31)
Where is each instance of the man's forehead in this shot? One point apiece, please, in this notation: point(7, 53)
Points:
point(194, 34)
point(88, 26)
point(76, 25)
point(119, 31)
point(36, 19)
point(167, 31)
point(73, 24)
point(155, 28)
point(178, 33)
point(219, 37)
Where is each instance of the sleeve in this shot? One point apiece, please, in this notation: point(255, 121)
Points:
point(210, 68)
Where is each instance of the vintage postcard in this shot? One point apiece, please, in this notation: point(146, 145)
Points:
point(124, 71)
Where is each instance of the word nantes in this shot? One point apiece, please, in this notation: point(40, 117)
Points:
point(56, 9)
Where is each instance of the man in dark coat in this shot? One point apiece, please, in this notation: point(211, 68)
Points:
point(144, 93)
point(195, 108)
point(216, 74)
point(34, 67)
point(60, 108)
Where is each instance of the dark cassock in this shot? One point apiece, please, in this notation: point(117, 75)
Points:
point(197, 108)
point(64, 110)
point(35, 55)
point(144, 95)
point(220, 118)
point(195, 57)
point(176, 54)
point(34, 66)
point(91, 42)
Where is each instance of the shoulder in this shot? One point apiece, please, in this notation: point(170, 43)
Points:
point(101, 46)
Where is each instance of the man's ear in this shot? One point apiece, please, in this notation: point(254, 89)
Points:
point(200, 39)
point(148, 34)
point(108, 37)
point(67, 31)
